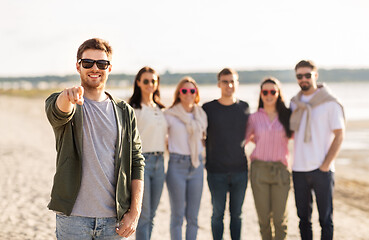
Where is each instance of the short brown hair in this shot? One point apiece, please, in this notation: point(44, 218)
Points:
point(227, 71)
point(95, 43)
point(306, 63)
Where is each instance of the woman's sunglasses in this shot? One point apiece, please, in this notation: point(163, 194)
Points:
point(89, 63)
point(272, 92)
point(306, 75)
point(190, 90)
point(147, 81)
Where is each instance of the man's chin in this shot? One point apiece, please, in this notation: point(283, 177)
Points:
point(95, 85)
point(305, 88)
point(229, 93)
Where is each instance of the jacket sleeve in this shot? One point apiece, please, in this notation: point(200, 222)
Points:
point(56, 117)
point(138, 161)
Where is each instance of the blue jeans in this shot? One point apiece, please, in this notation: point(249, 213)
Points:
point(83, 228)
point(184, 184)
point(153, 187)
point(220, 184)
point(322, 183)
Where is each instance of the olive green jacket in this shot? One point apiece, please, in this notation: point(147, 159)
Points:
point(129, 162)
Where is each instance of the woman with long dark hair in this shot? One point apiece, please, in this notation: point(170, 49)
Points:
point(270, 176)
point(187, 124)
point(152, 126)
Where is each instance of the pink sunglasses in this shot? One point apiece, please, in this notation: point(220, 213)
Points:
point(186, 90)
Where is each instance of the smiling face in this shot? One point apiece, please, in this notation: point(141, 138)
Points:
point(228, 85)
point(187, 98)
point(93, 78)
point(307, 85)
point(148, 83)
point(269, 100)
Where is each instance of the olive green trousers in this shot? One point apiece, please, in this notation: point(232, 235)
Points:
point(271, 183)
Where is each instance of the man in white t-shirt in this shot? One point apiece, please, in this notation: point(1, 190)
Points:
point(318, 123)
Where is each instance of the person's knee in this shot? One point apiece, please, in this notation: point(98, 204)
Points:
point(176, 221)
point(144, 217)
point(191, 220)
point(236, 213)
point(327, 222)
point(218, 212)
point(217, 216)
point(280, 224)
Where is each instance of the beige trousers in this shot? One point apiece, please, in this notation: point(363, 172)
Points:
point(270, 183)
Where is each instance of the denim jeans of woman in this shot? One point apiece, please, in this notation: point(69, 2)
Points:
point(153, 187)
point(185, 185)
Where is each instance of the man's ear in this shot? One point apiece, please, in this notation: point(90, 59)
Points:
point(109, 68)
point(78, 67)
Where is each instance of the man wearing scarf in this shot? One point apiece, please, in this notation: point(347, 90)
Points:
point(318, 123)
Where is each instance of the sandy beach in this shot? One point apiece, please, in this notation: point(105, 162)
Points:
point(27, 159)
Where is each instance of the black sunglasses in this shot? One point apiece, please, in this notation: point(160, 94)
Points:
point(147, 81)
point(185, 90)
point(89, 63)
point(306, 75)
point(265, 92)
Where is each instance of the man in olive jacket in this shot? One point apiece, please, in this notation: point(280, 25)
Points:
point(98, 184)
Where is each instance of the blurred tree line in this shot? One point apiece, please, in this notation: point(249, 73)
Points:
point(168, 78)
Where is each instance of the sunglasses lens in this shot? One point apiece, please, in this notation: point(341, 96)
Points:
point(193, 90)
point(306, 75)
point(265, 92)
point(87, 63)
point(102, 64)
point(184, 91)
point(147, 81)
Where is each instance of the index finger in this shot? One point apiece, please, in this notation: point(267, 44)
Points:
point(80, 92)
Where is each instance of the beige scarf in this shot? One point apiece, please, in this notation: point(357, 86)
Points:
point(322, 96)
point(196, 127)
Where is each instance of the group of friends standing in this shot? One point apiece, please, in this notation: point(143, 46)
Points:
point(111, 154)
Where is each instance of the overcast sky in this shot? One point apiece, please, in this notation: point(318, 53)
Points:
point(41, 37)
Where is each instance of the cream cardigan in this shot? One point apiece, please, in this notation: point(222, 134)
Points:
point(196, 127)
point(322, 96)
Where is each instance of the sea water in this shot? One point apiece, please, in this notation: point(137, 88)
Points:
point(353, 96)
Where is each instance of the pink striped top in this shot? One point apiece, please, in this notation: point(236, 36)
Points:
point(271, 142)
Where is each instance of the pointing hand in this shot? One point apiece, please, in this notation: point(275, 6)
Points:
point(75, 95)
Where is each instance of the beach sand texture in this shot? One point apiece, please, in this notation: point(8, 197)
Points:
point(27, 160)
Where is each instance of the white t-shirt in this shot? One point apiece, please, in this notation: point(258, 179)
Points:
point(178, 136)
point(152, 127)
point(325, 118)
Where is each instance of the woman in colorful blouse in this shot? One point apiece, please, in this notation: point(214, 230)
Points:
point(268, 128)
point(152, 126)
point(187, 123)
